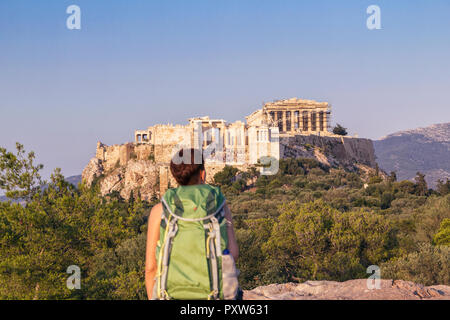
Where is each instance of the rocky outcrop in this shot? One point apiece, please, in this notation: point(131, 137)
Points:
point(135, 168)
point(137, 176)
point(126, 169)
point(331, 151)
point(349, 290)
point(140, 176)
point(93, 170)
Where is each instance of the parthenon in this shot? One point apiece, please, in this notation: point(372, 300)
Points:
point(294, 116)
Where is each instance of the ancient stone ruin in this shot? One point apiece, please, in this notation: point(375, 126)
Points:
point(282, 129)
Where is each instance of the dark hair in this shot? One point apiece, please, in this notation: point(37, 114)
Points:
point(186, 165)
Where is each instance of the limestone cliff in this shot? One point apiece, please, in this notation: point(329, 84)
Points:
point(131, 168)
point(331, 151)
point(131, 174)
point(141, 168)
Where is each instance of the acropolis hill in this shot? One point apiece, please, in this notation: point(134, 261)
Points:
point(290, 128)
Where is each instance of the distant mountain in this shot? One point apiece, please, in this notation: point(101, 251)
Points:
point(423, 149)
point(75, 180)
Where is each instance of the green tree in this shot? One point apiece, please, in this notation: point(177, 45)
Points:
point(421, 184)
point(443, 188)
point(442, 237)
point(392, 177)
point(386, 199)
point(427, 218)
point(226, 176)
point(19, 176)
point(315, 241)
point(340, 130)
point(251, 240)
point(429, 265)
point(62, 226)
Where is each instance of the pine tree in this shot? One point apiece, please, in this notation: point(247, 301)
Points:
point(340, 130)
point(421, 184)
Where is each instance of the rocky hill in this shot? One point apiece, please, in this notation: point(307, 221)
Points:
point(134, 168)
point(424, 149)
point(349, 290)
point(75, 180)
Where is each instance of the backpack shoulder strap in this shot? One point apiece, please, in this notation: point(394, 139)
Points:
point(164, 254)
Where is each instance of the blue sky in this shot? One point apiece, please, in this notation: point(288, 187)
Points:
point(138, 63)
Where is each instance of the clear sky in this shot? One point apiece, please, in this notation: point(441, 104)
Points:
point(138, 63)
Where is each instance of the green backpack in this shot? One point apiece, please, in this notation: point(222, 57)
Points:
point(193, 262)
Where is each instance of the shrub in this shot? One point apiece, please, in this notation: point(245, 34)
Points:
point(340, 130)
point(429, 265)
point(314, 241)
point(386, 199)
point(291, 167)
point(443, 188)
point(407, 186)
point(375, 179)
point(133, 155)
point(250, 241)
point(442, 237)
point(429, 217)
point(226, 176)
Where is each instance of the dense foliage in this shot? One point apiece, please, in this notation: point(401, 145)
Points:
point(306, 222)
point(311, 222)
point(63, 226)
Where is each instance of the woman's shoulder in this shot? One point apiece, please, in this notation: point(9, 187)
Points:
point(156, 210)
point(157, 206)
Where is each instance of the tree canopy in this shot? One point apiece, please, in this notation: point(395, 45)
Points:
point(307, 222)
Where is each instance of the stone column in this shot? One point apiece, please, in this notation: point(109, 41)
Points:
point(309, 121)
point(197, 136)
point(284, 121)
point(205, 136)
point(318, 120)
point(293, 121)
point(252, 146)
point(302, 127)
